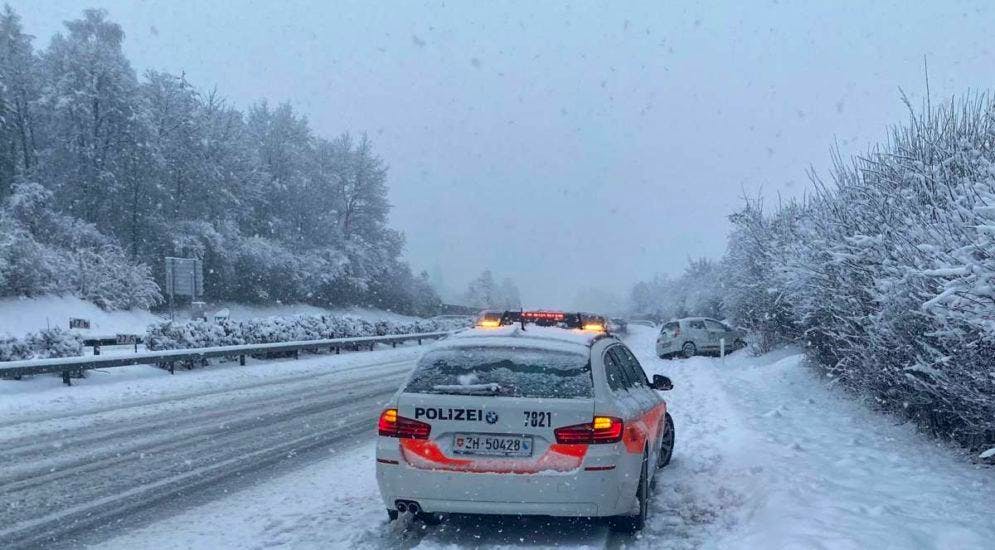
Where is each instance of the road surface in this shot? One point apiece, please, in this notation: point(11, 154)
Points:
point(769, 455)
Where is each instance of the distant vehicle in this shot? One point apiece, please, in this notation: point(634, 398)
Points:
point(544, 414)
point(643, 323)
point(618, 325)
point(694, 335)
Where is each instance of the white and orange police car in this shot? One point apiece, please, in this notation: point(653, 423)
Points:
point(543, 414)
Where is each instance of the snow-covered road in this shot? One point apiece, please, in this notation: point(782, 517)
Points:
point(767, 456)
point(65, 473)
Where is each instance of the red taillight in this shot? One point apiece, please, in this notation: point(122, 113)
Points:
point(602, 429)
point(677, 331)
point(393, 425)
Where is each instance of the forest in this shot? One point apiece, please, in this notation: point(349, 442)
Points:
point(104, 173)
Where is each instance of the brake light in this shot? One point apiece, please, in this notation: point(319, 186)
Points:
point(602, 429)
point(677, 330)
point(393, 425)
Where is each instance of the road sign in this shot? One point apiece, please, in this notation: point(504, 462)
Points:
point(79, 323)
point(184, 277)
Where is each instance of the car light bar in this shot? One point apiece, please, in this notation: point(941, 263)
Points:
point(570, 320)
point(601, 429)
point(543, 315)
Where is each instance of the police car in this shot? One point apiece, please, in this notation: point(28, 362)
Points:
point(539, 413)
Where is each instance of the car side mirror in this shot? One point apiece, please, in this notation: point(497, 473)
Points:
point(661, 383)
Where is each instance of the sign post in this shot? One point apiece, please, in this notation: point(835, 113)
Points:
point(184, 277)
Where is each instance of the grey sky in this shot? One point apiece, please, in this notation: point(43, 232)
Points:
point(569, 145)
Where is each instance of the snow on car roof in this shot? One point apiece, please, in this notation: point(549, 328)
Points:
point(532, 336)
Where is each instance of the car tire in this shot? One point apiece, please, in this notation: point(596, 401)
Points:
point(689, 349)
point(392, 515)
point(631, 524)
point(666, 444)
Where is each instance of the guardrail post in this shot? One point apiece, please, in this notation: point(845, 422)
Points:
point(172, 367)
point(297, 354)
point(419, 341)
point(338, 350)
point(241, 360)
point(96, 349)
point(393, 344)
point(66, 379)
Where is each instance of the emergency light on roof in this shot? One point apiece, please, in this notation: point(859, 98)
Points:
point(543, 315)
point(594, 327)
point(568, 320)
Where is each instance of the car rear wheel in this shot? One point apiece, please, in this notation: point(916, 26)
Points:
point(666, 444)
point(392, 515)
point(689, 349)
point(631, 524)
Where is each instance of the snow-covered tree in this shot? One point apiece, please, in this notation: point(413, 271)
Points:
point(158, 168)
point(19, 89)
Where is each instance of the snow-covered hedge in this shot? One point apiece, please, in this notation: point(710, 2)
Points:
point(201, 334)
point(886, 273)
point(52, 342)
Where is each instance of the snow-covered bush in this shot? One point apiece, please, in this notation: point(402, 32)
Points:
point(201, 334)
point(892, 280)
point(54, 342)
point(50, 342)
point(45, 252)
point(13, 349)
point(886, 273)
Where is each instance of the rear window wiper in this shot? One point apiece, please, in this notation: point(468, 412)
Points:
point(492, 388)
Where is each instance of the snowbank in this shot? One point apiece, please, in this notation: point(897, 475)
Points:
point(19, 316)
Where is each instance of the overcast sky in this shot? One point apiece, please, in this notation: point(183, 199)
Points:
point(569, 145)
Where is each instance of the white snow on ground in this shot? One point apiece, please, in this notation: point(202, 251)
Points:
point(768, 456)
point(19, 316)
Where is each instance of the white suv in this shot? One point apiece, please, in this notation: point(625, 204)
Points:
point(525, 420)
point(695, 335)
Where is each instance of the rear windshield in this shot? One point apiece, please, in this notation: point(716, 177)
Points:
point(503, 371)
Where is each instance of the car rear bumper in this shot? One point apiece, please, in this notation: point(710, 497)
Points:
point(664, 347)
point(584, 493)
point(574, 493)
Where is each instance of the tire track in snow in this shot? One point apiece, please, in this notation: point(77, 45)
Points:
point(107, 472)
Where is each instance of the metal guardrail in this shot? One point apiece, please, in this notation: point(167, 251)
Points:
point(69, 365)
point(96, 342)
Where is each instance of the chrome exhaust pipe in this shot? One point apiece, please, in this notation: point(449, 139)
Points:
point(402, 506)
point(414, 508)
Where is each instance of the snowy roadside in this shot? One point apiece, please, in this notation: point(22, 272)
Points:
point(767, 457)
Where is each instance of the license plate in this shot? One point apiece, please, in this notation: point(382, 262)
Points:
point(492, 445)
